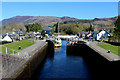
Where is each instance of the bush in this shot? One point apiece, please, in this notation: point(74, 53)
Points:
point(17, 40)
point(4, 41)
point(43, 33)
point(27, 37)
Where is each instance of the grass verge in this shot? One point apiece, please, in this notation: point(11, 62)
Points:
point(15, 46)
point(112, 48)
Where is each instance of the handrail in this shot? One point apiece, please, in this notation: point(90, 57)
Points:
point(10, 49)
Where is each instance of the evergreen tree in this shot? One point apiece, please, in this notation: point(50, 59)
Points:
point(27, 28)
point(91, 28)
point(43, 33)
point(57, 25)
point(117, 28)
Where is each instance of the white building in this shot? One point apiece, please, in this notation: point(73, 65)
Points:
point(101, 34)
point(7, 38)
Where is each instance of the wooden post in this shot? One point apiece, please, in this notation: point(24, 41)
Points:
point(6, 50)
point(18, 53)
point(13, 51)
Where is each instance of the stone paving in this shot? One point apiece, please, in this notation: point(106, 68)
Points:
point(12, 63)
point(93, 44)
point(29, 51)
point(110, 56)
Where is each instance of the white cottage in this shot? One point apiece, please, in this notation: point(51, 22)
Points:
point(101, 34)
point(7, 38)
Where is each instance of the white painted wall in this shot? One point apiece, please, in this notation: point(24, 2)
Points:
point(66, 36)
point(7, 38)
point(99, 35)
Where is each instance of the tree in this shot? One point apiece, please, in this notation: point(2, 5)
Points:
point(43, 33)
point(76, 30)
point(86, 29)
point(71, 28)
point(22, 27)
point(33, 27)
point(117, 28)
point(56, 27)
point(27, 28)
point(37, 27)
point(91, 28)
point(13, 26)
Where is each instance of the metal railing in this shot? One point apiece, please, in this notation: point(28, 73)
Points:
point(6, 50)
point(12, 64)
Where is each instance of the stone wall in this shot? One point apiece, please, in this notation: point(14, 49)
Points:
point(22, 68)
point(99, 66)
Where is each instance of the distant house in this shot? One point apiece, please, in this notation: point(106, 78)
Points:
point(13, 36)
point(84, 34)
point(48, 31)
point(36, 33)
point(29, 35)
point(20, 35)
point(102, 34)
point(89, 34)
point(1, 37)
point(7, 38)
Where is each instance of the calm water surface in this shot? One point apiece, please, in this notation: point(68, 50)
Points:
point(63, 66)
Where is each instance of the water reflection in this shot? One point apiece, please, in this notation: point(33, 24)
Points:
point(57, 48)
point(60, 65)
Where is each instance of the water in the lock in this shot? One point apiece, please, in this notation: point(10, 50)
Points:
point(63, 66)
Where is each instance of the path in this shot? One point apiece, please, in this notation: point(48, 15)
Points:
point(12, 63)
point(110, 56)
point(29, 51)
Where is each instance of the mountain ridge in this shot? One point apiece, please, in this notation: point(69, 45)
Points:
point(51, 20)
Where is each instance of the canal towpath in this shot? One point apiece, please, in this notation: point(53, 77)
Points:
point(12, 63)
point(27, 52)
point(110, 56)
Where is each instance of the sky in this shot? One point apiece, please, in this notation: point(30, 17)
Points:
point(80, 10)
point(60, 0)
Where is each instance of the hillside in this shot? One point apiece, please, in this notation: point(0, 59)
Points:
point(15, 19)
point(44, 20)
point(49, 21)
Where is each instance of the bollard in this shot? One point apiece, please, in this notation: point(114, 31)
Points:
point(108, 51)
point(19, 47)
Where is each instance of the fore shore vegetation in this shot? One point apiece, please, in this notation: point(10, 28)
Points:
point(15, 46)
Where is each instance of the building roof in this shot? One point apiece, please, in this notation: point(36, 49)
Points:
point(84, 32)
point(7, 38)
point(98, 31)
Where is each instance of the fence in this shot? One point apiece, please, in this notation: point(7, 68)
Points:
point(6, 50)
point(11, 64)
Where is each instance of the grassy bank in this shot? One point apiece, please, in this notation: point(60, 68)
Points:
point(112, 48)
point(15, 46)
